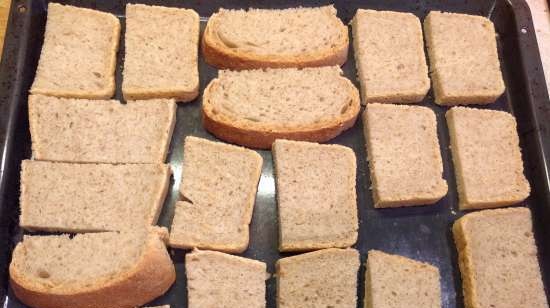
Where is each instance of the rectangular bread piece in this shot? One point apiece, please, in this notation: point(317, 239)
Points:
point(389, 55)
point(404, 156)
point(218, 189)
point(486, 157)
point(102, 131)
point(497, 256)
point(393, 281)
point(161, 53)
point(91, 197)
point(78, 56)
point(316, 195)
point(464, 63)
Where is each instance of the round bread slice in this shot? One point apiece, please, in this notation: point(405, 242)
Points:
point(255, 107)
point(94, 270)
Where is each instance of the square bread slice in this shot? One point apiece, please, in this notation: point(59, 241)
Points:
point(216, 279)
point(100, 131)
point(91, 197)
point(78, 56)
point(389, 55)
point(404, 156)
point(393, 281)
point(161, 53)
point(486, 157)
point(323, 278)
point(219, 183)
point(497, 256)
point(463, 56)
point(316, 195)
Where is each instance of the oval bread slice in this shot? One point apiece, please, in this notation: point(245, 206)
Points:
point(255, 107)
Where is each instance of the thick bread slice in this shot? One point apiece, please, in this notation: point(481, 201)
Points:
point(463, 56)
point(219, 183)
point(323, 278)
point(497, 256)
point(94, 270)
point(73, 130)
point(78, 56)
point(219, 280)
point(257, 38)
point(161, 46)
point(389, 55)
point(91, 197)
point(316, 195)
point(404, 156)
point(486, 157)
point(393, 281)
point(253, 108)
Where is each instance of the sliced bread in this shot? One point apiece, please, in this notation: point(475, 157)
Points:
point(78, 56)
point(497, 256)
point(257, 38)
point(253, 108)
point(91, 197)
point(315, 195)
point(161, 53)
point(74, 130)
point(219, 183)
point(94, 270)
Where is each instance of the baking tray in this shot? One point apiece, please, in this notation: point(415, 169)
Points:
point(422, 233)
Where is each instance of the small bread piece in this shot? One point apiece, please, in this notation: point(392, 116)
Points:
point(487, 158)
point(91, 197)
point(219, 280)
point(497, 256)
point(258, 38)
point(403, 153)
point(323, 278)
point(393, 281)
point(219, 183)
point(161, 46)
point(389, 55)
point(94, 270)
point(316, 195)
point(463, 56)
point(74, 130)
point(253, 108)
point(78, 56)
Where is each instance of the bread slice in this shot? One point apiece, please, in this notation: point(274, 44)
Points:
point(91, 197)
point(219, 183)
point(316, 195)
point(463, 56)
point(94, 270)
point(253, 108)
point(258, 38)
point(393, 281)
point(487, 158)
point(78, 56)
point(73, 130)
point(389, 55)
point(161, 47)
point(498, 259)
point(216, 279)
point(323, 278)
point(403, 153)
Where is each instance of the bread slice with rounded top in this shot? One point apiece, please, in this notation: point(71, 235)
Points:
point(293, 37)
point(255, 107)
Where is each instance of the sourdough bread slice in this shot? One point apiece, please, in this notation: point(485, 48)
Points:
point(258, 38)
point(78, 56)
point(253, 108)
point(91, 197)
point(94, 270)
point(161, 46)
point(103, 131)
